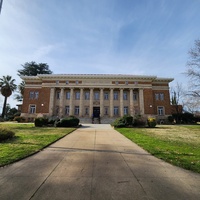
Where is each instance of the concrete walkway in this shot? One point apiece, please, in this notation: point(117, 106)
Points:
point(96, 162)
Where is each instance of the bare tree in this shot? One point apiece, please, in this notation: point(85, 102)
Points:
point(193, 71)
point(177, 94)
point(192, 104)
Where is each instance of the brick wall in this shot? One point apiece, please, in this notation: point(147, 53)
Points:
point(43, 99)
point(148, 102)
point(165, 102)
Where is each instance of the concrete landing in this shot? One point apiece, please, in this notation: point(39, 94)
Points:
point(95, 163)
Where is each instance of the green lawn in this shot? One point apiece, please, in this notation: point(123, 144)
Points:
point(179, 145)
point(28, 140)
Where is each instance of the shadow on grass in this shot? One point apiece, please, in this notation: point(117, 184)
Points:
point(15, 139)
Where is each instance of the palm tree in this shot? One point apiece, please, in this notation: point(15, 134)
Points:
point(20, 87)
point(7, 86)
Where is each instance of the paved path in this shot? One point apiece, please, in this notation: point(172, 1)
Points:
point(96, 162)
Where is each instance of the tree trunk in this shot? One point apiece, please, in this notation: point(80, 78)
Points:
point(4, 107)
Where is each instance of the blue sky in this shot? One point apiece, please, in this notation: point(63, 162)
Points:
point(140, 37)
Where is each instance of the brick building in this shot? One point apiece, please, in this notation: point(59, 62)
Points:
point(86, 95)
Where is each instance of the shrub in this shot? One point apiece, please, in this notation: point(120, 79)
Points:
point(57, 123)
point(1, 119)
point(6, 134)
point(184, 118)
point(17, 114)
point(139, 121)
point(41, 121)
point(73, 121)
point(52, 120)
point(170, 119)
point(70, 121)
point(19, 119)
point(128, 120)
point(119, 123)
point(151, 122)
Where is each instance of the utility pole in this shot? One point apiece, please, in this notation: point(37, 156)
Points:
point(1, 2)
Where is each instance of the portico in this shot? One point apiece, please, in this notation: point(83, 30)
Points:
point(111, 102)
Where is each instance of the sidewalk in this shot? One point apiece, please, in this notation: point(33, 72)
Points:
point(95, 163)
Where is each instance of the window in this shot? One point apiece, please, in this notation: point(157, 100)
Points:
point(157, 97)
point(96, 96)
point(66, 110)
point(161, 96)
point(106, 96)
point(77, 82)
point(67, 82)
point(135, 97)
point(36, 95)
point(115, 95)
point(125, 96)
point(77, 95)
point(116, 110)
point(58, 95)
point(160, 110)
point(68, 95)
point(76, 110)
point(31, 95)
point(126, 82)
point(87, 95)
point(126, 110)
point(32, 109)
point(106, 110)
point(86, 111)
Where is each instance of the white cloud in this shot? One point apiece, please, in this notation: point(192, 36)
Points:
point(139, 37)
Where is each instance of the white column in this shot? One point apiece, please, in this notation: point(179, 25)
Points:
point(121, 100)
point(141, 101)
point(101, 102)
point(81, 103)
point(61, 105)
point(51, 101)
point(131, 103)
point(91, 102)
point(111, 102)
point(71, 102)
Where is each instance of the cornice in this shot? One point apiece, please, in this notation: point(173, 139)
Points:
point(97, 76)
point(161, 80)
point(30, 78)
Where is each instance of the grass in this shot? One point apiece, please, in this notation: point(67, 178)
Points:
point(178, 145)
point(28, 140)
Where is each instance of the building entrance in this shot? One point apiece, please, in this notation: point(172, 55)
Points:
point(96, 112)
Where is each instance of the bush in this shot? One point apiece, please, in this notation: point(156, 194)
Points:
point(70, 121)
point(151, 122)
point(19, 119)
point(1, 119)
point(184, 118)
point(119, 123)
point(170, 119)
point(73, 121)
point(139, 121)
point(6, 134)
point(41, 121)
point(128, 120)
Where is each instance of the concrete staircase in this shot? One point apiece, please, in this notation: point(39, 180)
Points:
point(103, 120)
